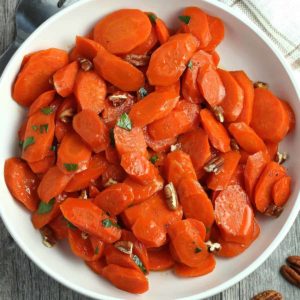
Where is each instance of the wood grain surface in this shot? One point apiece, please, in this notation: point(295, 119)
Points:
point(22, 279)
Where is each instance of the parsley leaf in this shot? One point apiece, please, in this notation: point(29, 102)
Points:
point(112, 137)
point(185, 19)
point(139, 263)
point(70, 225)
point(124, 122)
point(53, 148)
point(109, 223)
point(190, 65)
point(152, 17)
point(21, 144)
point(44, 208)
point(97, 250)
point(34, 127)
point(198, 249)
point(43, 128)
point(71, 167)
point(29, 141)
point(154, 158)
point(47, 110)
point(142, 92)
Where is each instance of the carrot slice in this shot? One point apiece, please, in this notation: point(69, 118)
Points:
point(87, 48)
point(272, 149)
point(21, 182)
point(263, 190)
point(216, 132)
point(97, 266)
point(112, 155)
point(43, 165)
point(291, 115)
point(66, 110)
point(62, 129)
point(217, 31)
point(162, 31)
point(281, 190)
point(33, 80)
point(169, 61)
point(92, 130)
point(42, 101)
point(219, 181)
point(91, 219)
point(59, 227)
point(113, 172)
point(160, 260)
point(123, 30)
point(246, 84)
point(52, 184)
point(73, 155)
point(215, 57)
point(266, 109)
point(90, 91)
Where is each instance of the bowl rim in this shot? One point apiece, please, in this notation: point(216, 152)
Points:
point(259, 260)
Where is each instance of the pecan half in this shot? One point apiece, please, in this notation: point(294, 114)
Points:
point(273, 211)
point(171, 196)
point(110, 182)
point(85, 64)
point(175, 147)
point(213, 247)
point(290, 275)
point(234, 145)
point(281, 157)
point(214, 164)
point(268, 295)
point(219, 113)
point(118, 98)
point(84, 194)
point(124, 246)
point(260, 84)
point(294, 262)
point(48, 237)
point(137, 60)
point(67, 115)
point(84, 235)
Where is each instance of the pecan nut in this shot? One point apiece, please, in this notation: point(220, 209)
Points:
point(294, 262)
point(268, 295)
point(85, 64)
point(273, 211)
point(214, 165)
point(118, 98)
point(171, 196)
point(260, 84)
point(290, 275)
point(137, 60)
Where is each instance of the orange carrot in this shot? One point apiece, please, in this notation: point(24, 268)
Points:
point(160, 259)
point(215, 57)
point(291, 115)
point(44, 100)
point(148, 45)
point(272, 149)
point(281, 190)
point(162, 31)
point(97, 266)
point(43, 165)
point(217, 31)
point(86, 47)
point(59, 227)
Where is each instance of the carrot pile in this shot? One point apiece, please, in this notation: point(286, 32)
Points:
point(145, 155)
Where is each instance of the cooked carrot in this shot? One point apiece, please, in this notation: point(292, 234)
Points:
point(42, 101)
point(197, 23)
point(73, 155)
point(246, 84)
point(238, 176)
point(160, 259)
point(97, 266)
point(153, 107)
point(92, 130)
point(81, 180)
point(91, 219)
point(33, 80)
point(27, 57)
point(174, 88)
point(21, 182)
point(22, 131)
point(118, 71)
point(263, 190)
point(169, 61)
point(219, 181)
point(43, 165)
point(207, 266)
point(190, 90)
point(272, 149)
point(195, 202)
point(74, 54)
point(215, 57)
point(291, 115)
point(266, 109)
point(93, 190)
point(52, 184)
point(90, 91)
point(66, 110)
point(217, 31)
point(86, 47)
point(126, 279)
point(216, 132)
point(281, 190)
point(115, 198)
point(210, 85)
point(112, 155)
point(148, 45)
point(113, 172)
point(186, 117)
point(123, 30)
point(234, 215)
point(59, 227)
point(234, 98)
point(62, 129)
point(162, 31)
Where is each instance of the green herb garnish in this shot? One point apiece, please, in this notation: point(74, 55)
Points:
point(71, 167)
point(109, 223)
point(154, 158)
point(29, 141)
point(34, 127)
point(44, 208)
point(139, 263)
point(21, 144)
point(152, 18)
point(207, 229)
point(190, 65)
point(97, 250)
point(142, 92)
point(53, 148)
point(47, 110)
point(198, 249)
point(185, 19)
point(43, 128)
point(112, 137)
point(70, 225)
point(124, 122)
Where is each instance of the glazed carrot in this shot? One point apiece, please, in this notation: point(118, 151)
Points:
point(160, 259)
point(153, 107)
point(33, 80)
point(215, 57)
point(42, 101)
point(162, 31)
point(90, 91)
point(281, 190)
point(21, 182)
point(217, 31)
point(263, 190)
point(197, 24)
point(113, 172)
point(190, 90)
point(234, 215)
point(186, 117)
point(219, 181)
point(97, 266)
point(210, 85)
point(59, 227)
point(266, 109)
point(246, 84)
point(118, 71)
point(39, 135)
point(52, 184)
point(115, 198)
point(234, 99)
point(27, 57)
point(207, 266)
point(123, 30)
point(272, 149)
point(126, 279)
point(130, 141)
point(246, 137)
point(43, 165)
point(22, 131)
point(174, 88)
point(92, 130)
point(62, 129)
point(148, 45)
point(93, 190)
point(216, 132)
point(177, 166)
point(81, 180)
point(291, 115)
point(238, 176)
point(253, 169)
point(112, 155)
point(73, 155)
point(66, 110)
point(87, 48)
point(195, 202)
point(91, 219)
point(169, 61)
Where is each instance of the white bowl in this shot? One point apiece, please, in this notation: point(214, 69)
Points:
point(245, 47)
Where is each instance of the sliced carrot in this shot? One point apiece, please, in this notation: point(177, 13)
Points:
point(160, 260)
point(263, 190)
point(113, 172)
point(219, 181)
point(21, 182)
point(238, 176)
point(62, 129)
point(33, 80)
point(74, 54)
point(43, 165)
point(216, 132)
point(52, 184)
point(90, 91)
point(86, 47)
point(291, 115)
point(97, 266)
point(27, 57)
point(215, 57)
point(272, 149)
point(266, 109)
point(22, 131)
point(246, 84)
point(59, 227)
point(123, 30)
point(93, 190)
point(112, 155)
point(42, 101)
point(281, 190)
point(169, 61)
point(174, 88)
point(148, 45)
point(217, 31)
point(162, 31)
point(73, 155)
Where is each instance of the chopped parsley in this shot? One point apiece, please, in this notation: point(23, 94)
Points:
point(124, 122)
point(109, 223)
point(44, 128)
point(97, 250)
point(44, 208)
point(142, 92)
point(34, 127)
point(198, 249)
point(185, 19)
point(139, 263)
point(71, 167)
point(154, 158)
point(190, 65)
point(29, 141)
point(152, 17)
point(47, 110)
point(53, 148)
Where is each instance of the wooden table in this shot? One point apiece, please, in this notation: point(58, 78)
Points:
point(22, 279)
